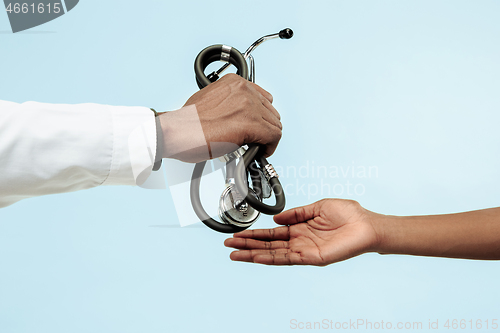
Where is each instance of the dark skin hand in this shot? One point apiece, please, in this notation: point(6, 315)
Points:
point(318, 234)
point(333, 230)
point(220, 118)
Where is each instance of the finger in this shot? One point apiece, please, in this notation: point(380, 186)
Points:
point(270, 108)
point(248, 255)
point(249, 244)
point(278, 259)
point(299, 214)
point(279, 233)
point(270, 148)
point(263, 92)
point(272, 120)
point(267, 135)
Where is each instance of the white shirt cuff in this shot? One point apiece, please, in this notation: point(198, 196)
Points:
point(134, 145)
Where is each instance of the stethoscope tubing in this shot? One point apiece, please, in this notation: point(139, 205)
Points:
point(247, 164)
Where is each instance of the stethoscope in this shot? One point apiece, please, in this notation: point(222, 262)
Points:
point(240, 205)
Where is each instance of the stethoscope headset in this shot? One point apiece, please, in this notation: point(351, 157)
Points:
point(240, 205)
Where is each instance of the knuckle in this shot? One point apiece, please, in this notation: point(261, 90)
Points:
point(300, 214)
point(245, 102)
point(270, 97)
point(241, 83)
point(230, 76)
point(277, 135)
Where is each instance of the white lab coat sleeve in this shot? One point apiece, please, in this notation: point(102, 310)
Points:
point(57, 148)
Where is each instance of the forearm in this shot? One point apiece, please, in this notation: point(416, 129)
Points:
point(57, 148)
point(469, 235)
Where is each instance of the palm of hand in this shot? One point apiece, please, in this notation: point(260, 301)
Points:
point(319, 234)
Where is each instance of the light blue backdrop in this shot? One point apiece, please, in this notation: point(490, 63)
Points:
point(408, 87)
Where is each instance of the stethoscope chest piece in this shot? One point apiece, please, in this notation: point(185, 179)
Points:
point(234, 210)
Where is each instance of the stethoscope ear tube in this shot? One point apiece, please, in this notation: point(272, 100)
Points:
point(212, 54)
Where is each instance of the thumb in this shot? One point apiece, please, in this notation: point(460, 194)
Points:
point(298, 214)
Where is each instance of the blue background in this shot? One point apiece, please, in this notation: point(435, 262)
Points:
point(411, 87)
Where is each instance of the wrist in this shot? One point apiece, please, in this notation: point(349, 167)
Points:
point(165, 122)
point(385, 227)
point(183, 137)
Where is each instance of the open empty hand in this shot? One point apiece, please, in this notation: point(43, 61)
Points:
point(319, 234)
